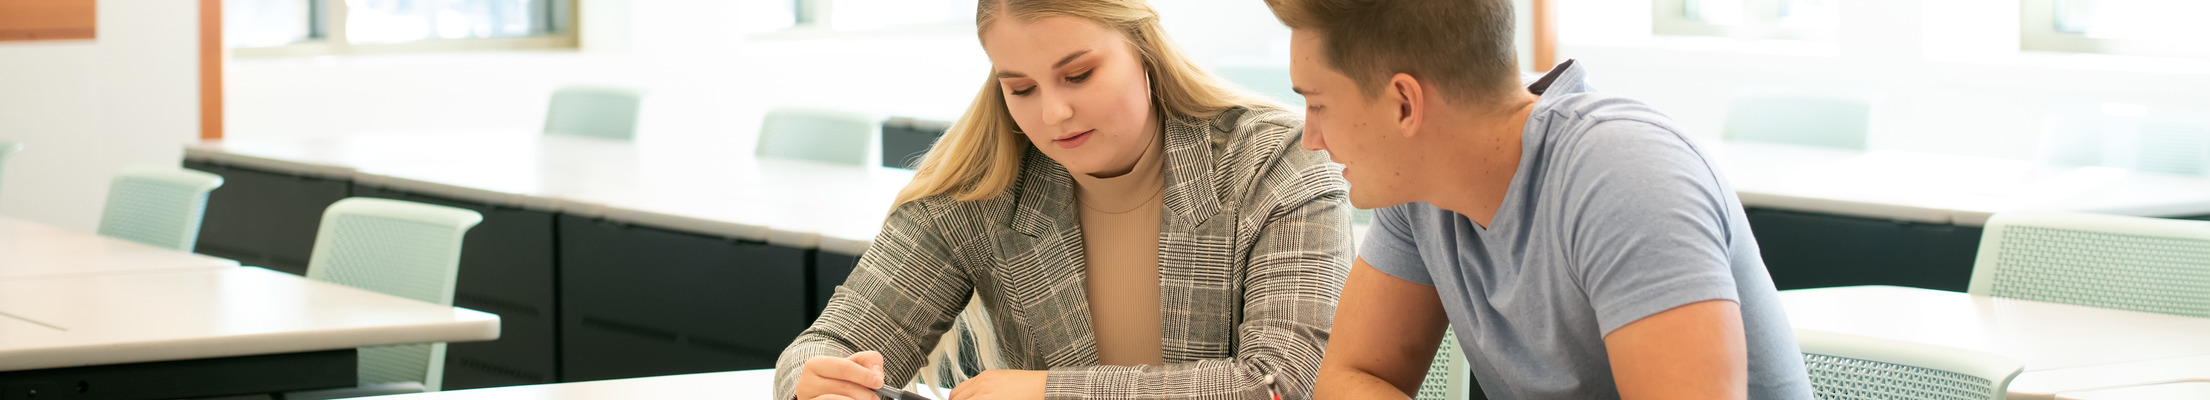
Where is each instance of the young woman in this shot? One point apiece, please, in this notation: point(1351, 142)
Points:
point(1133, 226)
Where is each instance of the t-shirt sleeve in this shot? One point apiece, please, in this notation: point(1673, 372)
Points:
point(1390, 247)
point(1650, 233)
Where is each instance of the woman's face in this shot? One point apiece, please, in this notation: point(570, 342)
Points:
point(1076, 89)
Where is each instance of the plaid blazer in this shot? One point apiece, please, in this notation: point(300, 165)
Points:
point(1254, 246)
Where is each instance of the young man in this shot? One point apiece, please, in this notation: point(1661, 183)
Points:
point(1579, 243)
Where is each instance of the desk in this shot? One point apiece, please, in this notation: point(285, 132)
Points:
point(748, 384)
point(2195, 390)
point(29, 249)
point(615, 258)
point(96, 327)
point(1826, 217)
point(2064, 347)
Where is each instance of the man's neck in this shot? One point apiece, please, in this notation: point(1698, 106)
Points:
point(1482, 158)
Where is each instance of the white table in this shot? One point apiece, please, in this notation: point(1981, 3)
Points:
point(30, 249)
point(749, 384)
point(2195, 390)
point(2064, 347)
point(1944, 189)
point(836, 208)
point(81, 320)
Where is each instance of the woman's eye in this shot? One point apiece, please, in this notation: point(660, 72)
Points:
point(1024, 92)
point(1079, 78)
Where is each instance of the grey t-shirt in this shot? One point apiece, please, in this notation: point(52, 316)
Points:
point(1614, 215)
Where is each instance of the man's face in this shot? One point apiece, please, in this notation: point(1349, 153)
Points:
point(1359, 131)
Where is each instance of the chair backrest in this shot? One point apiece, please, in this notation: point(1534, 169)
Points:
point(594, 111)
point(1448, 377)
point(399, 248)
point(159, 206)
point(2109, 261)
point(1265, 80)
point(1799, 119)
point(818, 135)
point(1851, 367)
point(7, 147)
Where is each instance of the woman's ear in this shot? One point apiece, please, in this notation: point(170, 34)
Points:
point(1411, 103)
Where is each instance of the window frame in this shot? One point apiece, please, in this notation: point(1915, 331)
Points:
point(327, 37)
point(2037, 31)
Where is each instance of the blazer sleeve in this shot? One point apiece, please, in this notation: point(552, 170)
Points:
point(901, 297)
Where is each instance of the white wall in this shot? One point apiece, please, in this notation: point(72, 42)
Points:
point(1945, 75)
point(84, 109)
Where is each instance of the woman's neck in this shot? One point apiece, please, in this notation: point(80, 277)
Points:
point(1143, 182)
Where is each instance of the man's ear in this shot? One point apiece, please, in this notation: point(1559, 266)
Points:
point(1411, 103)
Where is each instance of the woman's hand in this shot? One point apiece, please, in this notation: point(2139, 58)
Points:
point(848, 378)
point(1002, 384)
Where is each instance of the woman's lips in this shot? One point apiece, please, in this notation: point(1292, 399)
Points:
point(1074, 140)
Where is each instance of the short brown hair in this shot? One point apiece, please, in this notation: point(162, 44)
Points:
point(1462, 46)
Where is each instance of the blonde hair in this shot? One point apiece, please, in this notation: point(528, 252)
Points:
point(980, 156)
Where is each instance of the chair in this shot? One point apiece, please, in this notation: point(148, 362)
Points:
point(1851, 367)
point(1270, 81)
point(1799, 119)
point(399, 248)
point(828, 136)
point(594, 111)
point(1448, 377)
point(7, 147)
point(2118, 262)
point(158, 206)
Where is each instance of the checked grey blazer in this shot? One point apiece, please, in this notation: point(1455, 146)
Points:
point(1254, 245)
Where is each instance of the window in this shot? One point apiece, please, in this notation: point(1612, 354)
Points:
point(2128, 27)
point(1747, 19)
point(855, 15)
point(309, 27)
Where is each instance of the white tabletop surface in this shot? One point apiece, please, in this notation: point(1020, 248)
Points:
point(1945, 189)
point(2064, 347)
point(700, 189)
point(2192, 390)
point(100, 319)
point(734, 385)
point(2070, 382)
point(30, 249)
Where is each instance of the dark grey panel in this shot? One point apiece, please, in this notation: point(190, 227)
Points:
point(638, 301)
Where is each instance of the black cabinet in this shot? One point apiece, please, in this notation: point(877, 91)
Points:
point(829, 271)
point(507, 267)
point(265, 219)
point(641, 301)
point(1806, 250)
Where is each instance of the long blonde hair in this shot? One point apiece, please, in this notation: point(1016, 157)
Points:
point(980, 156)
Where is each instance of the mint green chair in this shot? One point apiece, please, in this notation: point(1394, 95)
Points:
point(2127, 263)
point(159, 206)
point(1448, 377)
point(595, 111)
point(399, 248)
point(828, 136)
point(1799, 119)
point(1850, 367)
point(1270, 81)
point(7, 147)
